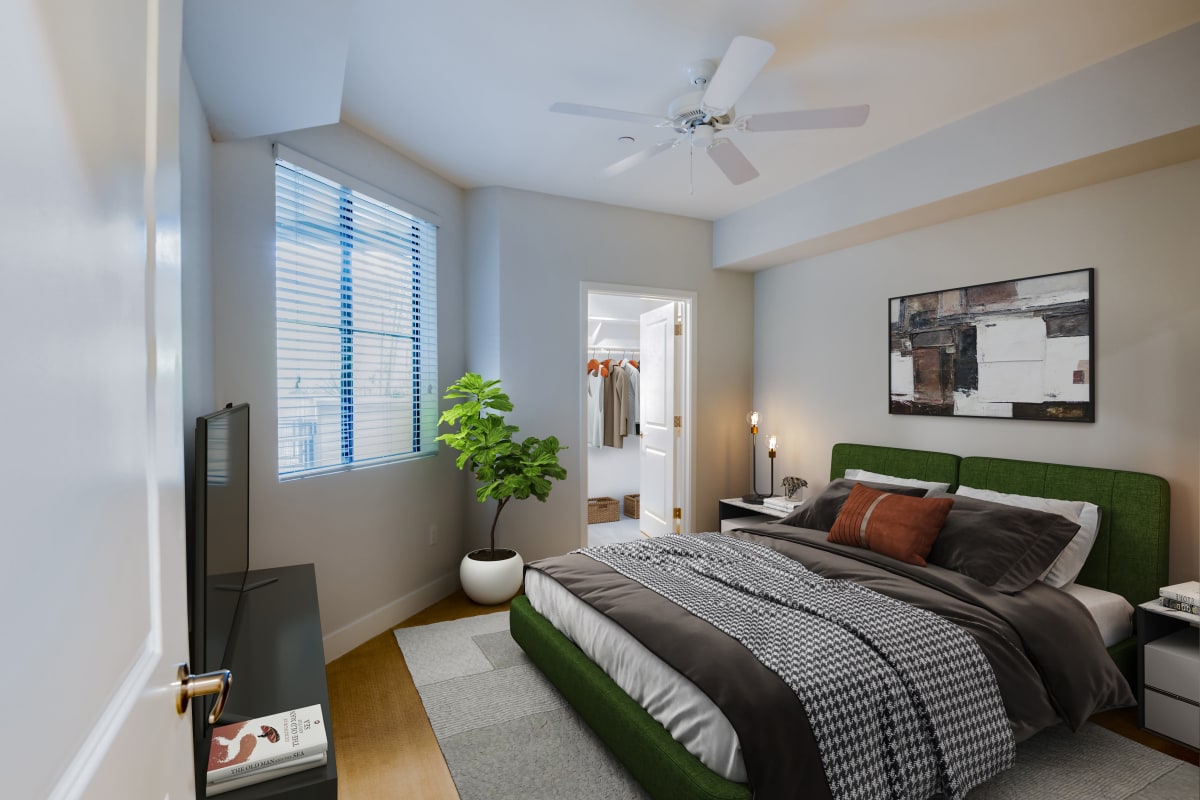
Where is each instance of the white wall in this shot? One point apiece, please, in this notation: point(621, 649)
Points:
point(538, 252)
point(615, 472)
point(821, 337)
point(367, 531)
point(195, 147)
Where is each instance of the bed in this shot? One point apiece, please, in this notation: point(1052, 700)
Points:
point(1128, 558)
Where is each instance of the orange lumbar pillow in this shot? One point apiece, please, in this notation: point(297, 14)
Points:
point(900, 527)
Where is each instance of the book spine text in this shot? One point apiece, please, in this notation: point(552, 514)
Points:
point(1178, 596)
point(273, 762)
point(1181, 605)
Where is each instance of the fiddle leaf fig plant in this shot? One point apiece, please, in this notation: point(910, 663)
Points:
point(505, 468)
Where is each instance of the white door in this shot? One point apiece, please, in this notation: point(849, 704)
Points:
point(92, 585)
point(657, 401)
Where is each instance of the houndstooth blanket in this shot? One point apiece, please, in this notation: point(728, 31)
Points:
point(902, 703)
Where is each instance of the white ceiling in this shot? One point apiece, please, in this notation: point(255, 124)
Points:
point(614, 320)
point(464, 87)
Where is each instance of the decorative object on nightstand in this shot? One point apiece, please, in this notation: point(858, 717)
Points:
point(754, 497)
point(1169, 671)
point(505, 469)
point(792, 485)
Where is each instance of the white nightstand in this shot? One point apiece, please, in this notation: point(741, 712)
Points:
point(1169, 673)
point(733, 512)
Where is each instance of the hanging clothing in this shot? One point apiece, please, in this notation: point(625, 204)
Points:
point(634, 380)
point(595, 409)
point(616, 407)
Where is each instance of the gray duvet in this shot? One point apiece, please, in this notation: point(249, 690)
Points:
point(1049, 661)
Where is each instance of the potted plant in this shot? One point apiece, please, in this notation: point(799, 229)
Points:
point(506, 470)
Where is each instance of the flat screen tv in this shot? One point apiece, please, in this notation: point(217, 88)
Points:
point(220, 551)
point(218, 555)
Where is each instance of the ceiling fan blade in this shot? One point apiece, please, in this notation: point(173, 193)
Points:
point(744, 59)
point(608, 113)
point(732, 161)
point(640, 157)
point(845, 117)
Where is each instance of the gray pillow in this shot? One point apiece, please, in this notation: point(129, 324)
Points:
point(820, 512)
point(1001, 546)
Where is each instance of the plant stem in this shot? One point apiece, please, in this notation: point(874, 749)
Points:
point(495, 519)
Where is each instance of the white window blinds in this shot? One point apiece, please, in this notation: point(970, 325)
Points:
point(356, 327)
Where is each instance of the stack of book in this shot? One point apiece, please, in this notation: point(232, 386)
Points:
point(245, 753)
point(778, 503)
point(1183, 597)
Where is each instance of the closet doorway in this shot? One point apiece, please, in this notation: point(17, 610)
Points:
point(637, 355)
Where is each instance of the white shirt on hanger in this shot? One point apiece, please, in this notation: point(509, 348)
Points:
point(595, 410)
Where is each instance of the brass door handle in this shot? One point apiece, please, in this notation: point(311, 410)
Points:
point(190, 686)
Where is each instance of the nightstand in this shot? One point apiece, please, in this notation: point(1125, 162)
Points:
point(1168, 673)
point(734, 513)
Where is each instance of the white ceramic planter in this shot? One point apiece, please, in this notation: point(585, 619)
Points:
point(491, 582)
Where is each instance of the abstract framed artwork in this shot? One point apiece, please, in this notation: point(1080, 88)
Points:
point(1017, 349)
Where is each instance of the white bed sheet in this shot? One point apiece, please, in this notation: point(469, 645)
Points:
point(1112, 612)
point(685, 711)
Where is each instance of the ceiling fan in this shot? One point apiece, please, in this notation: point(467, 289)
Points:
point(699, 116)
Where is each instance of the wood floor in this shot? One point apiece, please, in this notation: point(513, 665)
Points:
point(384, 744)
point(386, 748)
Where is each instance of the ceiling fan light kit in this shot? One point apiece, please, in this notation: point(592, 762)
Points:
point(701, 72)
point(699, 115)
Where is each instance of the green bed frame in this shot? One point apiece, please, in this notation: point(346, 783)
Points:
point(660, 764)
point(1130, 554)
point(1128, 558)
point(923, 465)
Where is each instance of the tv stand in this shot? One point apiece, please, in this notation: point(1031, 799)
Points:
point(248, 587)
point(278, 663)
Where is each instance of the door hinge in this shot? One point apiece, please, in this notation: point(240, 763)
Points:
point(677, 515)
point(679, 329)
point(678, 422)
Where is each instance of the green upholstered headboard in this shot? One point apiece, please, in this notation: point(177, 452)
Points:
point(1130, 554)
point(922, 465)
point(1131, 549)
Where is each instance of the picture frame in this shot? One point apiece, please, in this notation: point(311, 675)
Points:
point(1014, 349)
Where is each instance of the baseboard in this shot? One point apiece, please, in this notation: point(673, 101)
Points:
point(350, 636)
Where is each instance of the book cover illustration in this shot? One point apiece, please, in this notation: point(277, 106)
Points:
point(265, 742)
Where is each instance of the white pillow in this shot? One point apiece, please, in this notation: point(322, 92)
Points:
point(1086, 515)
point(863, 475)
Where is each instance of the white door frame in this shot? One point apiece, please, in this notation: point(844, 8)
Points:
point(687, 446)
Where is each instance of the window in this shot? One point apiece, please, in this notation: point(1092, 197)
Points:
point(356, 327)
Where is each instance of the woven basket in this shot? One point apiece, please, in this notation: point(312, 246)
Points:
point(633, 505)
point(603, 509)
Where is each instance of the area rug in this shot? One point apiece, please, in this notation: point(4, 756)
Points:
point(507, 734)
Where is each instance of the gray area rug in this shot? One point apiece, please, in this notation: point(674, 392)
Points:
point(507, 734)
